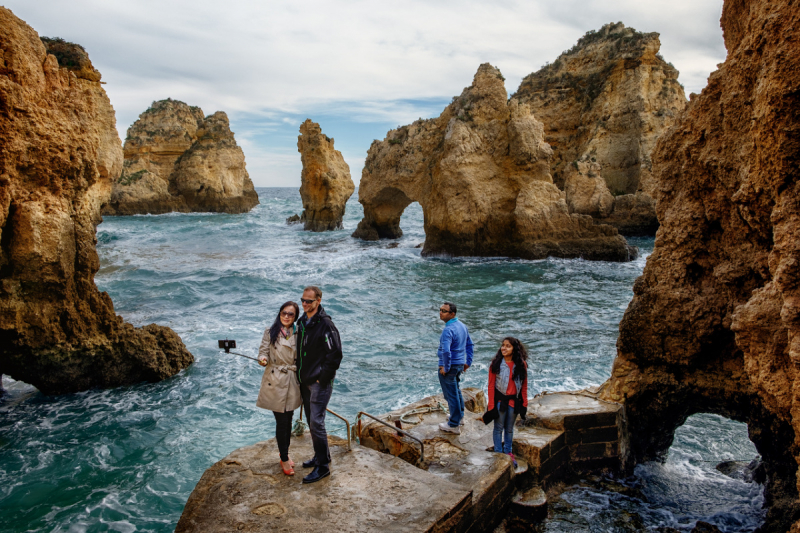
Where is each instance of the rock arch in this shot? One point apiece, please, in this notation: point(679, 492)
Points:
point(714, 324)
point(481, 172)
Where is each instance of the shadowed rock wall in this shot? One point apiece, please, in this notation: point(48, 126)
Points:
point(58, 152)
point(481, 172)
point(714, 325)
point(326, 184)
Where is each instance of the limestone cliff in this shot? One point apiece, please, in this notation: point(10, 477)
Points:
point(58, 152)
point(177, 160)
point(714, 325)
point(481, 172)
point(326, 184)
point(606, 101)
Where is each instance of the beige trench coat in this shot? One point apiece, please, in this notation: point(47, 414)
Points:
point(280, 390)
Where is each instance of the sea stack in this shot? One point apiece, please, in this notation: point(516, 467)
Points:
point(176, 159)
point(326, 184)
point(60, 150)
point(481, 172)
point(605, 102)
point(714, 324)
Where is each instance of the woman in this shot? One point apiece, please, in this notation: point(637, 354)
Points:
point(508, 392)
point(280, 391)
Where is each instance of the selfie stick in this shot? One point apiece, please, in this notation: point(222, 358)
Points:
point(228, 344)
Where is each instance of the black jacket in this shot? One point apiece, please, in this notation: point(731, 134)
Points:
point(319, 349)
point(493, 414)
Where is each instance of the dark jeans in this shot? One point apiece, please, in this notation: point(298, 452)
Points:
point(283, 432)
point(452, 394)
point(315, 401)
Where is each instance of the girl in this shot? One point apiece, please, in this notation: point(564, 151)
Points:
point(508, 392)
point(280, 390)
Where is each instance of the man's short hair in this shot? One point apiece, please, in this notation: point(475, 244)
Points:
point(316, 290)
point(452, 307)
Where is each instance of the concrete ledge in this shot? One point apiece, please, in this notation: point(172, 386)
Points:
point(461, 459)
point(367, 491)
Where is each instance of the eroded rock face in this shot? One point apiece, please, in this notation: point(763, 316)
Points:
point(714, 325)
point(481, 172)
point(58, 152)
point(606, 101)
point(326, 184)
point(178, 160)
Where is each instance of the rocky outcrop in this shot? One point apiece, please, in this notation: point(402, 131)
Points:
point(177, 160)
point(606, 101)
point(326, 184)
point(58, 152)
point(714, 325)
point(481, 172)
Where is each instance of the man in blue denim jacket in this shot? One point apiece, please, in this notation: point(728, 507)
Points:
point(455, 356)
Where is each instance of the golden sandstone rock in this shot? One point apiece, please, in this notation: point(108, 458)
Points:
point(714, 324)
point(481, 172)
point(606, 101)
point(60, 149)
point(177, 160)
point(326, 184)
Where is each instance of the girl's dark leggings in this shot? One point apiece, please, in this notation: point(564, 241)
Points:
point(283, 432)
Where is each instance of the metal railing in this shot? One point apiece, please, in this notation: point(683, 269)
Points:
point(406, 433)
point(340, 417)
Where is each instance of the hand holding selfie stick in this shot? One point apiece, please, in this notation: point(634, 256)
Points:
point(228, 344)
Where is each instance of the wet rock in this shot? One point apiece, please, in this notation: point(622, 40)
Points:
point(606, 101)
point(705, 527)
point(530, 506)
point(60, 150)
point(747, 472)
point(326, 184)
point(481, 173)
point(294, 219)
point(714, 324)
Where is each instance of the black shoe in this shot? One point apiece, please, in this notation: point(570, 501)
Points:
point(318, 473)
point(311, 463)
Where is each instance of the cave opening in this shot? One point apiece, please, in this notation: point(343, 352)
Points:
point(712, 473)
point(412, 223)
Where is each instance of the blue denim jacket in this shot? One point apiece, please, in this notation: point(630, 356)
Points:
point(455, 345)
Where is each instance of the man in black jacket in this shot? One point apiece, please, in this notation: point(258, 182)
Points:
point(319, 352)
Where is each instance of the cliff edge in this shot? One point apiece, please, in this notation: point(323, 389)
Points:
point(178, 160)
point(58, 152)
point(714, 324)
point(326, 184)
point(605, 102)
point(481, 172)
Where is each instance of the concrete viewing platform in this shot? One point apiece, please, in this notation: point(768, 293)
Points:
point(381, 484)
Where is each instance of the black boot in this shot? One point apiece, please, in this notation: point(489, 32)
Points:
point(311, 463)
point(318, 473)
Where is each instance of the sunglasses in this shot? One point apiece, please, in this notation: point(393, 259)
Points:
point(287, 314)
point(307, 302)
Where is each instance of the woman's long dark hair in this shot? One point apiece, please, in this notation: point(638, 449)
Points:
point(275, 329)
point(519, 356)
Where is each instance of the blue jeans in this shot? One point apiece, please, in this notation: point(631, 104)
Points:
point(452, 394)
point(504, 430)
point(315, 401)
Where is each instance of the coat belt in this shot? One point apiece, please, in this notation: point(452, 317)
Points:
point(285, 368)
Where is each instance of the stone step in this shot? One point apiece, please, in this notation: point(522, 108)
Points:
point(461, 459)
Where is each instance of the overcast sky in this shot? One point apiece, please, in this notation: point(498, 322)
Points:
point(359, 68)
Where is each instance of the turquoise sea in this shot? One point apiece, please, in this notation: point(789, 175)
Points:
point(127, 459)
